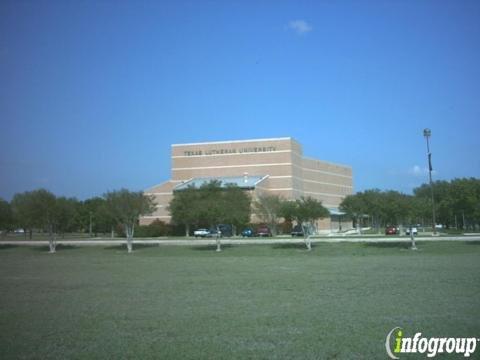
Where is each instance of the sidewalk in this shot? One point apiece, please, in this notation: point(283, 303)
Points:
point(238, 241)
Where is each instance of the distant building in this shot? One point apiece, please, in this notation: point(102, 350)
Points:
point(262, 166)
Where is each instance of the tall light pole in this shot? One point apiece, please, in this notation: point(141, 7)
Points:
point(427, 133)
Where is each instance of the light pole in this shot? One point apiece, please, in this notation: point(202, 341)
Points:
point(427, 133)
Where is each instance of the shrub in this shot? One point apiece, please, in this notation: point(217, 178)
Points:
point(155, 229)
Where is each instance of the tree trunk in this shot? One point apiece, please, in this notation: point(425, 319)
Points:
point(308, 242)
point(112, 233)
point(306, 235)
point(273, 226)
point(412, 238)
point(52, 240)
point(219, 246)
point(90, 226)
point(129, 233)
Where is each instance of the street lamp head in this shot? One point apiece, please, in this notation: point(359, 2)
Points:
point(427, 132)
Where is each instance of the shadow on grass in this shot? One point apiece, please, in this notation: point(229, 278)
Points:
point(135, 246)
point(7, 246)
point(475, 242)
point(116, 247)
point(299, 246)
point(60, 247)
point(389, 245)
point(210, 247)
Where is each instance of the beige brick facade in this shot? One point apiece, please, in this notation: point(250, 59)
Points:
point(288, 173)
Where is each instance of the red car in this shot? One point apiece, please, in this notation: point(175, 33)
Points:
point(263, 230)
point(391, 230)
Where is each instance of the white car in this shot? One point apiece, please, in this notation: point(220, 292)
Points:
point(201, 233)
point(414, 231)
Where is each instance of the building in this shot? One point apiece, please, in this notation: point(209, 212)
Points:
point(271, 166)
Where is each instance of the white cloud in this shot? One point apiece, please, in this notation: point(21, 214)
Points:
point(418, 171)
point(300, 26)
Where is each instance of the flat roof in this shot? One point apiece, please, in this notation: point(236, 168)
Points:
point(233, 141)
point(244, 182)
point(335, 211)
point(326, 162)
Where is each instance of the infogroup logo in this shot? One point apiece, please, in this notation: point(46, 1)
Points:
point(432, 346)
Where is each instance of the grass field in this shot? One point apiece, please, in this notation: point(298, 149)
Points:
point(268, 301)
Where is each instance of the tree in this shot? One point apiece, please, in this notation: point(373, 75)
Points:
point(465, 201)
point(184, 208)
point(395, 207)
point(126, 207)
point(413, 207)
point(155, 229)
point(6, 217)
point(288, 209)
point(373, 206)
point(23, 209)
point(457, 201)
point(236, 207)
point(307, 211)
point(87, 214)
point(37, 209)
point(66, 215)
point(221, 205)
point(103, 220)
point(382, 207)
point(268, 208)
point(94, 217)
point(211, 204)
point(287, 212)
point(46, 214)
point(355, 207)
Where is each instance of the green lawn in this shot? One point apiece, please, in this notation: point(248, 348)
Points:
point(268, 301)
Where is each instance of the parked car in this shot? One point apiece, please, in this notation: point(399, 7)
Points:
point(226, 229)
point(247, 232)
point(414, 231)
point(214, 232)
point(201, 233)
point(297, 231)
point(263, 230)
point(391, 230)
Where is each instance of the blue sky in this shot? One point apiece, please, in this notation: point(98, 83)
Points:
point(93, 93)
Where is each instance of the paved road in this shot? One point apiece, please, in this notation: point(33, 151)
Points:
point(237, 241)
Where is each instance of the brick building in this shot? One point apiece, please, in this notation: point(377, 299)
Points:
point(272, 166)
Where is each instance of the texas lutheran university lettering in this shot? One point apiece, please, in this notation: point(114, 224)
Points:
point(230, 151)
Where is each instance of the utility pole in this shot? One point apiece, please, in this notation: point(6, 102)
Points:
point(427, 133)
